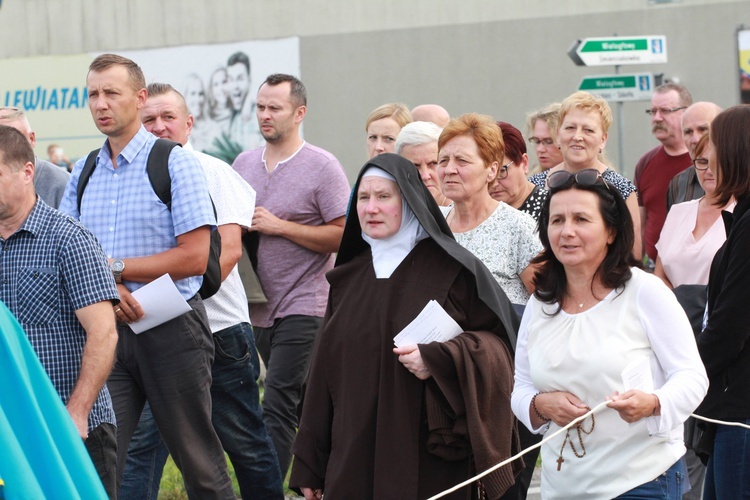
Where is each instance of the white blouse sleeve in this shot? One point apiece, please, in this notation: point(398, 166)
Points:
point(523, 388)
point(682, 383)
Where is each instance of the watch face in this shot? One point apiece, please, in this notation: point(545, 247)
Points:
point(118, 266)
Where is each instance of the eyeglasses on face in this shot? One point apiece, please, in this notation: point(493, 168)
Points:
point(537, 141)
point(563, 178)
point(503, 172)
point(664, 111)
point(700, 163)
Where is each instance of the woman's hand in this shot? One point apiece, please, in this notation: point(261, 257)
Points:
point(312, 494)
point(560, 407)
point(634, 405)
point(411, 358)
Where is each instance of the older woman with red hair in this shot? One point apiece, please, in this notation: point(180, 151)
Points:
point(470, 150)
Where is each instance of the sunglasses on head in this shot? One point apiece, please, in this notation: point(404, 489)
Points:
point(563, 178)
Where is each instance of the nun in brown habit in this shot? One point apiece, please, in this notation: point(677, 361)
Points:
point(407, 423)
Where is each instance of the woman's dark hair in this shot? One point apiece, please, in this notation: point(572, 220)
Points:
point(614, 271)
point(730, 135)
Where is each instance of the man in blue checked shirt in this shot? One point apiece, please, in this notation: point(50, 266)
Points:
point(169, 365)
point(55, 279)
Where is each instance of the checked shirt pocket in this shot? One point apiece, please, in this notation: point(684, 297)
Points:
point(38, 295)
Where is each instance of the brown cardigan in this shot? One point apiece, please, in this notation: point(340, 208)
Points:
point(474, 373)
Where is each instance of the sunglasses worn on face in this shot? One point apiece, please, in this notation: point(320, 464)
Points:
point(563, 178)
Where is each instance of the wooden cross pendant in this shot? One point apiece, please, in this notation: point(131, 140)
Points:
point(560, 460)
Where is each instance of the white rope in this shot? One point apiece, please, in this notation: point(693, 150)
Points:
point(720, 422)
point(505, 462)
point(547, 438)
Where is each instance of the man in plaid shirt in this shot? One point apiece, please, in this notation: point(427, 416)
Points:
point(55, 279)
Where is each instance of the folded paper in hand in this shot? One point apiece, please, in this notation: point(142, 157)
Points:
point(432, 325)
point(160, 301)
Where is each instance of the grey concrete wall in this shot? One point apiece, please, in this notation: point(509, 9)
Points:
point(505, 68)
point(496, 57)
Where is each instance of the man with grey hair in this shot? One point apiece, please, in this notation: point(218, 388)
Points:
point(657, 167)
point(49, 179)
point(418, 143)
point(431, 113)
point(696, 122)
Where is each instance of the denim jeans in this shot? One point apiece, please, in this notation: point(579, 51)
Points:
point(728, 469)
point(236, 416)
point(144, 466)
point(668, 486)
point(286, 349)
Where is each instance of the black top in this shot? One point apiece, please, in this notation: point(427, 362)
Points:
point(431, 218)
point(723, 344)
point(533, 204)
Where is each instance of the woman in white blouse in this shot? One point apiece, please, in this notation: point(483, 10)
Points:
point(693, 230)
point(594, 318)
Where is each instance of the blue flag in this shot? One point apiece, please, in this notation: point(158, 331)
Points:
point(41, 453)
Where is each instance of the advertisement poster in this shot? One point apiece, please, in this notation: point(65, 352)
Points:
point(743, 36)
point(219, 82)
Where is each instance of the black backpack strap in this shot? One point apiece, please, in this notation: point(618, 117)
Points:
point(83, 180)
point(158, 170)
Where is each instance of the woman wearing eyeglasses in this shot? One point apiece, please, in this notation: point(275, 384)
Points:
point(582, 134)
point(597, 329)
point(470, 150)
point(693, 230)
point(511, 185)
point(541, 129)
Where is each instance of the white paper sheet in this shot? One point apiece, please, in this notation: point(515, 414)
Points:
point(432, 325)
point(637, 375)
point(161, 301)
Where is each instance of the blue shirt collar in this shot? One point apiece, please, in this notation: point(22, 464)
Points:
point(136, 144)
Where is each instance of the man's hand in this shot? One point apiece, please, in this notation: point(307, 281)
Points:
point(411, 358)
point(267, 223)
point(312, 494)
point(128, 310)
point(81, 422)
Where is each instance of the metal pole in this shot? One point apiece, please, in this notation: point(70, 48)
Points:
point(620, 133)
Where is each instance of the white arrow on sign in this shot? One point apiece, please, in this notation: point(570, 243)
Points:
point(617, 50)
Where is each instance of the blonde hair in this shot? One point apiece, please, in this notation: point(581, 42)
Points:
point(395, 110)
point(550, 114)
point(587, 102)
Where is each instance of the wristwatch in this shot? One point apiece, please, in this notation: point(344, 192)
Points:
point(117, 267)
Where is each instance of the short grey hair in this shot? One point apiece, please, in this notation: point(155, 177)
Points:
point(416, 134)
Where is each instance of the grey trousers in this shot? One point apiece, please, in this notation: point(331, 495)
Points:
point(170, 366)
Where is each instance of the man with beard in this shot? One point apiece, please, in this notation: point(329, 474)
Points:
point(302, 194)
point(657, 167)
